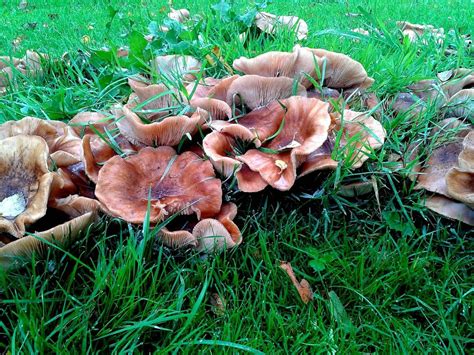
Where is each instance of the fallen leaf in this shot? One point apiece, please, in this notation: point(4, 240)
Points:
point(218, 304)
point(303, 287)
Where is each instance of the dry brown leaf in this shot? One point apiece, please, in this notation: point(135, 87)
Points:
point(303, 287)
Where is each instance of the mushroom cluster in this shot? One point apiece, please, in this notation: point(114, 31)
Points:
point(451, 92)
point(30, 64)
point(43, 194)
point(449, 172)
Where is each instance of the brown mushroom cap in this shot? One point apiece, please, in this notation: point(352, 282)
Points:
point(257, 91)
point(341, 71)
point(456, 80)
point(24, 182)
point(177, 66)
point(461, 104)
point(153, 99)
point(460, 186)
point(296, 64)
point(288, 132)
point(360, 135)
point(466, 157)
point(183, 184)
point(82, 122)
point(168, 131)
point(64, 145)
point(450, 209)
point(83, 212)
point(270, 23)
point(441, 161)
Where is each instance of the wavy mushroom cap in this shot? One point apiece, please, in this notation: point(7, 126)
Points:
point(298, 64)
point(168, 131)
point(177, 66)
point(152, 99)
point(183, 184)
point(287, 131)
point(257, 91)
point(466, 157)
point(357, 135)
point(441, 161)
point(89, 123)
point(415, 31)
point(64, 145)
point(453, 81)
point(461, 104)
point(450, 209)
point(96, 152)
point(209, 235)
point(271, 24)
point(25, 182)
point(460, 186)
point(341, 71)
point(82, 213)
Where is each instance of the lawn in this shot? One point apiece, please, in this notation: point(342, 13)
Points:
point(388, 275)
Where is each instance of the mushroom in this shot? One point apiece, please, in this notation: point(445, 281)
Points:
point(25, 182)
point(285, 133)
point(461, 104)
point(154, 99)
point(358, 134)
point(271, 24)
point(80, 213)
point(341, 71)
point(83, 122)
point(209, 235)
point(183, 184)
point(30, 64)
point(415, 31)
point(450, 209)
point(179, 15)
point(64, 145)
point(257, 91)
point(177, 66)
point(298, 64)
point(168, 131)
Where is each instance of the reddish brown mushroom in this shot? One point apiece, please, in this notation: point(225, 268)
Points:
point(357, 135)
point(183, 184)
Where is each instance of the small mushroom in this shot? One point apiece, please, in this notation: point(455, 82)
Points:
point(341, 71)
point(177, 66)
point(271, 24)
point(183, 184)
point(25, 182)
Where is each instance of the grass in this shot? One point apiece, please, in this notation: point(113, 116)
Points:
point(390, 275)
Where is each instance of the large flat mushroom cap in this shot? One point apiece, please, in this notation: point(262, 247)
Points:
point(25, 182)
point(183, 184)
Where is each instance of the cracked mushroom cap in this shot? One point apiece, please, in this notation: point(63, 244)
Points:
point(271, 24)
point(183, 184)
point(168, 131)
point(341, 71)
point(25, 182)
point(297, 64)
point(257, 91)
point(64, 145)
point(357, 134)
point(177, 66)
point(81, 213)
